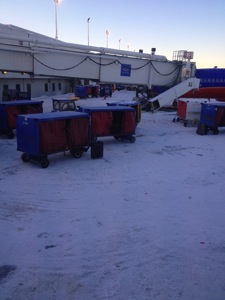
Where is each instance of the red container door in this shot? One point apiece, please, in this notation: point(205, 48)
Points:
point(182, 109)
point(53, 136)
point(129, 122)
point(220, 116)
point(12, 112)
point(101, 122)
point(78, 132)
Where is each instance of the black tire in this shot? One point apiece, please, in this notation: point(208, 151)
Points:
point(132, 139)
point(215, 131)
point(116, 137)
point(202, 129)
point(44, 163)
point(25, 157)
point(77, 153)
point(10, 135)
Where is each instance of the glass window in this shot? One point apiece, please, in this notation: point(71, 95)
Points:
point(46, 87)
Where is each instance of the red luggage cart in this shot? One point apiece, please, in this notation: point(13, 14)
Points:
point(9, 110)
point(116, 121)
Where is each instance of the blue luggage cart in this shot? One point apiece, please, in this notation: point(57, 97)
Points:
point(212, 116)
point(9, 110)
point(39, 135)
point(116, 121)
point(81, 91)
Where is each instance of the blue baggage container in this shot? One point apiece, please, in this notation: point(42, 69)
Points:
point(212, 116)
point(9, 110)
point(39, 135)
point(116, 121)
point(81, 91)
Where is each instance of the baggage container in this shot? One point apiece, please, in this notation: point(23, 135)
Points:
point(81, 91)
point(64, 104)
point(39, 135)
point(117, 121)
point(134, 104)
point(212, 116)
point(95, 91)
point(88, 90)
point(188, 110)
point(9, 110)
point(105, 90)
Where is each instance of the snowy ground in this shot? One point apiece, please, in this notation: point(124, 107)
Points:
point(144, 222)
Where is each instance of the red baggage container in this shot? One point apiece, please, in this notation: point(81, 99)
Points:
point(117, 121)
point(9, 110)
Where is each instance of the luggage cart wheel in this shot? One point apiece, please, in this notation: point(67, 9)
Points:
point(44, 163)
point(215, 131)
point(25, 157)
point(77, 153)
point(10, 135)
point(132, 139)
point(202, 129)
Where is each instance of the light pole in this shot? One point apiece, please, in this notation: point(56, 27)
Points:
point(56, 25)
point(119, 43)
point(107, 38)
point(88, 20)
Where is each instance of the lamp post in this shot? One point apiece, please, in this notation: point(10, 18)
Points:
point(119, 43)
point(88, 20)
point(56, 25)
point(107, 38)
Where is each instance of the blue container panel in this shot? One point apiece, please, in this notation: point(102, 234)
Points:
point(62, 115)
point(106, 108)
point(81, 91)
point(27, 135)
point(212, 114)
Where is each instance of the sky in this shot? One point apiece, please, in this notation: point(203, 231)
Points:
point(194, 25)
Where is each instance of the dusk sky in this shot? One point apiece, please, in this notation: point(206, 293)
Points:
point(193, 25)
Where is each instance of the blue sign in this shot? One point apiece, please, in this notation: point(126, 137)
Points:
point(125, 70)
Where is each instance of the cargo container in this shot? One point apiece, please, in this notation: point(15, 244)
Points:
point(9, 110)
point(39, 135)
point(64, 104)
point(134, 104)
point(188, 110)
point(81, 91)
point(212, 116)
point(116, 121)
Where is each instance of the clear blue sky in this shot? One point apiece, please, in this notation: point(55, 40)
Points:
point(167, 25)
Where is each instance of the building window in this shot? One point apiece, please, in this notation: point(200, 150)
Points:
point(5, 87)
point(18, 87)
point(59, 86)
point(46, 87)
point(29, 89)
point(53, 86)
